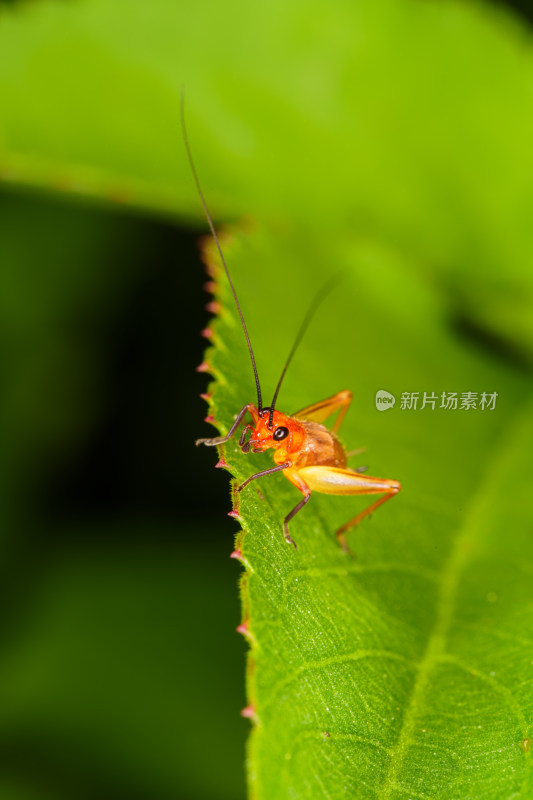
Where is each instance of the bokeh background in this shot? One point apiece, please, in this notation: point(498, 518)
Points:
point(120, 671)
point(117, 590)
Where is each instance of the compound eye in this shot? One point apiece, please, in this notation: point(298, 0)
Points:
point(280, 433)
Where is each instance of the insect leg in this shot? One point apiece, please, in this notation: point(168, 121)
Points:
point(296, 479)
point(333, 480)
point(366, 512)
point(262, 474)
point(320, 411)
point(290, 515)
point(222, 439)
point(357, 452)
point(344, 398)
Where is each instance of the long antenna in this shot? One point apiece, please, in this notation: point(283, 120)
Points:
point(319, 297)
point(215, 237)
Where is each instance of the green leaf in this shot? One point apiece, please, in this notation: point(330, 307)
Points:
point(407, 121)
point(405, 672)
point(393, 141)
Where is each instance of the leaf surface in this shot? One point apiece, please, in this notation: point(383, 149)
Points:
point(405, 672)
point(408, 121)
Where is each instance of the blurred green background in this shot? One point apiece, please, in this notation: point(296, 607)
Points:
point(121, 674)
point(117, 592)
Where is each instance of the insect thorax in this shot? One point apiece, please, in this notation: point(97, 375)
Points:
point(321, 447)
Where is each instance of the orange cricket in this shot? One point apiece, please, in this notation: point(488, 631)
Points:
point(307, 452)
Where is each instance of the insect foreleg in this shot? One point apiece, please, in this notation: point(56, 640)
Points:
point(222, 439)
point(245, 446)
